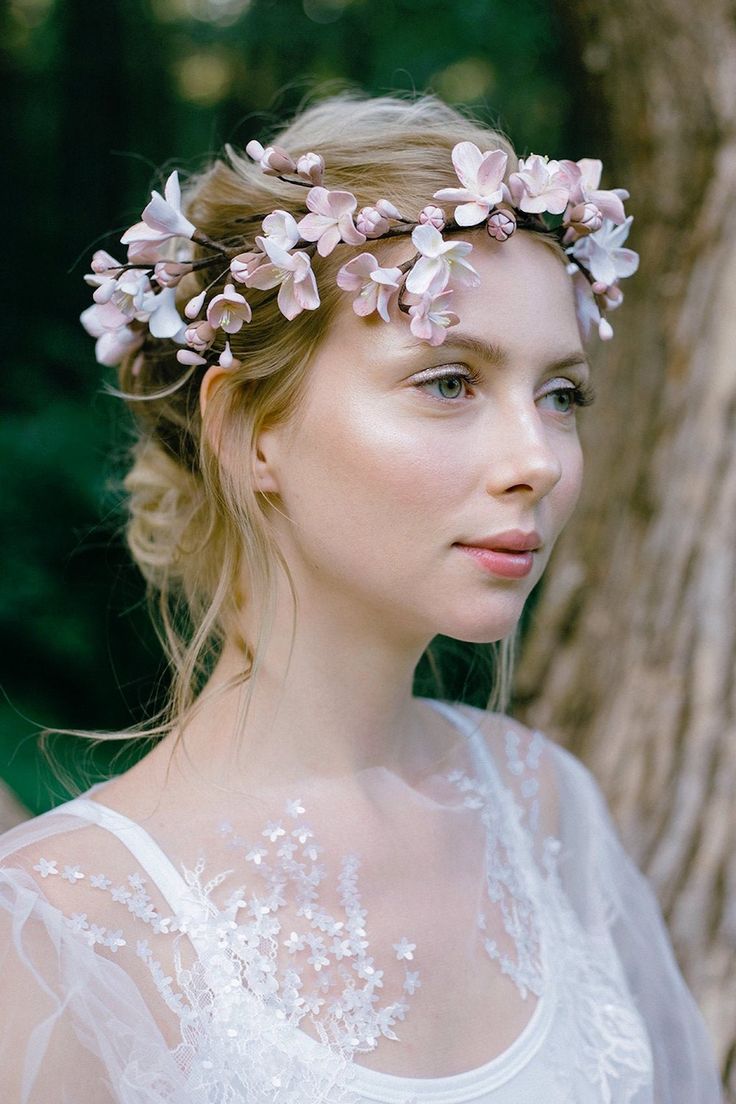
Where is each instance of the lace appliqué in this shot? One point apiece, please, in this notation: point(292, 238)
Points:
point(508, 880)
point(601, 1042)
point(330, 974)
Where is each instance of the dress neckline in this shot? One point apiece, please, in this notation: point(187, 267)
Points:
point(375, 1085)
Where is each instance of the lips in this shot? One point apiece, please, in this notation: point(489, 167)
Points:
point(511, 540)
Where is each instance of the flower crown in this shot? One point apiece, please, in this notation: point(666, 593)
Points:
point(138, 297)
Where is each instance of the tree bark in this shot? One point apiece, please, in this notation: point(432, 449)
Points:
point(629, 654)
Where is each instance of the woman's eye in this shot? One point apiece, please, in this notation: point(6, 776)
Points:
point(453, 386)
point(571, 396)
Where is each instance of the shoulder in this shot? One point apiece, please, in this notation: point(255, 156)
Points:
point(541, 775)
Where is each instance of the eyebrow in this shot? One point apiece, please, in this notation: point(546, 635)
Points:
point(498, 357)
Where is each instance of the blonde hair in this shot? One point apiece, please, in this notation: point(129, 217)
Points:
point(195, 527)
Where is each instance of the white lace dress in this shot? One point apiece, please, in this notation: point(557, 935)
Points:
point(495, 945)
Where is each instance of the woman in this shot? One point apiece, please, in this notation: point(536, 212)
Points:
point(357, 430)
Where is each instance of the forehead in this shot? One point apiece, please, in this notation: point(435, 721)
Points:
point(524, 303)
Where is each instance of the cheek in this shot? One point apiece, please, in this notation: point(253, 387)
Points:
point(378, 465)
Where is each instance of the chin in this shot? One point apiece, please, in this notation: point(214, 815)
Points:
point(482, 627)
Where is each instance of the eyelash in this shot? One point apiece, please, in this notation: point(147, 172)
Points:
point(581, 394)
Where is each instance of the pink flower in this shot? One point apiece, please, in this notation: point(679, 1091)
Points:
point(440, 262)
point(228, 311)
point(371, 222)
point(501, 224)
point(104, 275)
point(162, 218)
point(244, 264)
point(274, 160)
point(583, 218)
point(169, 273)
point(146, 252)
point(481, 175)
point(280, 227)
point(587, 309)
point(376, 286)
point(125, 300)
point(293, 272)
point(539, 185)
point(330, 221)
point(199, 336)
point(602, 253)
point(113, 346)
point(96, 320)
point(430, 317)
point(311, 167)
point(164, 320)
point(583, 178)
point(432, 216)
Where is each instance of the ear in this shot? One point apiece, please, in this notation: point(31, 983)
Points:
point(209, 380)
point(265, 456)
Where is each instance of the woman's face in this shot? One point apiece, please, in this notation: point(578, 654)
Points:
point(402, 456)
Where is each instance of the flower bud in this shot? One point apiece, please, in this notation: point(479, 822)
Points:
point(169, 273)
point(371, 222)
point(387, 209)
point(605, 330)
point(105, 265)
point(501, 224)
point(276, 161)
point(311, 166)
point(432, 216)
point(187, 356)
point(585, 218)
point(245, 264)
point(227, 360)
point(195, 305)
point(199, 336)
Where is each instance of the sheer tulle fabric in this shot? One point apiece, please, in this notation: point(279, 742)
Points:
point(293, 954)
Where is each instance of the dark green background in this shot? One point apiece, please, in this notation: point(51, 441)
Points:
point(101, 95)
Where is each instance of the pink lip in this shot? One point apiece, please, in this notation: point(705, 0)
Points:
point(511, 540)
point(511, 565)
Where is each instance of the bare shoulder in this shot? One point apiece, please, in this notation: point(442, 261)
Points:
point(525, 760)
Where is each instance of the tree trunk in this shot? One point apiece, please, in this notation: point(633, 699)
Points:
point(629, 654)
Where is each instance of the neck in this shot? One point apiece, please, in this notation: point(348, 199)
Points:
point(337, 702)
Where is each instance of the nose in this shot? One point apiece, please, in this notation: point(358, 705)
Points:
point(521, 455)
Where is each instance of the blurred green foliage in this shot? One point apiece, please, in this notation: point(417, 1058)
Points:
point(102, 95)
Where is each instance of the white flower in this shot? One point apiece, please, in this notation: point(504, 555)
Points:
point(72, 874)
point(293, 272)
point(404, 949)
point(294, 808)
point(46, 867)
point(376, 286)
point(540, 185)
point(481, 175)
point(430, 317)
point(99, 881)
point(440, 262)
point(602, 253)
point(330, 220)
point(162, 218)
point(164, 320)
point(280, 227)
